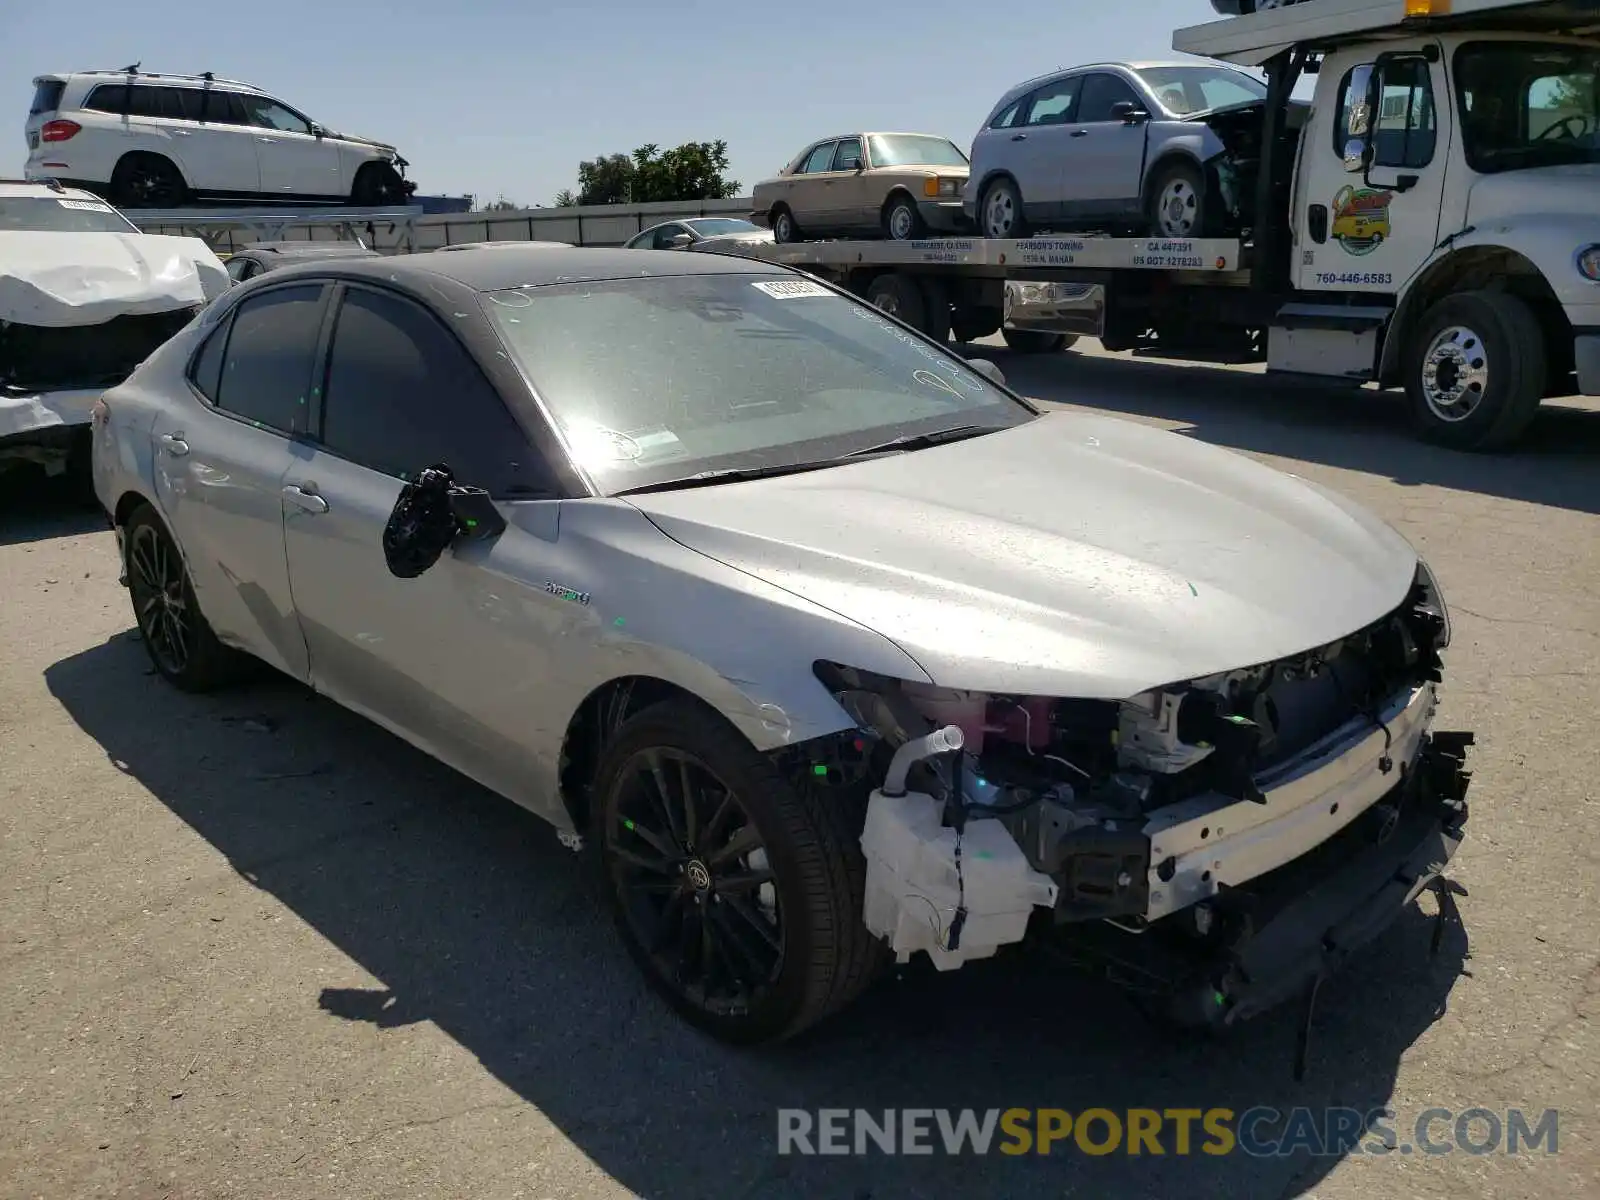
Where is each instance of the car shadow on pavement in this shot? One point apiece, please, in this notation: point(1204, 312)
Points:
point(1556, 464)
point(473, 917)
point(34, 508)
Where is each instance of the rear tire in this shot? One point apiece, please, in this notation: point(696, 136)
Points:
point(142, 180)
point(746, 961)
point(174, 630)
point(1476, 371)
point(1000, 213)
point(1037, 341)
point(785, 230)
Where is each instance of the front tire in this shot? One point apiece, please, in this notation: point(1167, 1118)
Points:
point(1179, 204)
point(1477, 371)
point(177, 637)
point(902, 219)
point(899, 296)
point(378, 185)
point(736, 890)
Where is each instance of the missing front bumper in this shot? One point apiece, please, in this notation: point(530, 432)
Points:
point(1283, 933)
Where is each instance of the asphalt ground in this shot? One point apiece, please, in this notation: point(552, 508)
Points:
point(253, 946)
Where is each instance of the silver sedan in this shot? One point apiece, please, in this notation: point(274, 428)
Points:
point(829, 646)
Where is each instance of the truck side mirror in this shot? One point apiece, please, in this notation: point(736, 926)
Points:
point(1359, 121)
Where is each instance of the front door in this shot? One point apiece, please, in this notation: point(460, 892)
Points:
point(456, 659)
point(220, 460)
point(1102, 161)
point(294, 161)
point(1369, 228)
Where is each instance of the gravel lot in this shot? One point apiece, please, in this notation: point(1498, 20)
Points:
point(253, 946)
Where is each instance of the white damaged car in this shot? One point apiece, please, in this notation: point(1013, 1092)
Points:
point(84, 298)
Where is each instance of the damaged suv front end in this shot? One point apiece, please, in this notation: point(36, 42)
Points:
point(1219, 843)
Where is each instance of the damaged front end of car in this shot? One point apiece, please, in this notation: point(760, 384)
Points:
point(1218, 844)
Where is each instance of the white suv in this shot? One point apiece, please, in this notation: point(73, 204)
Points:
point(145, 140)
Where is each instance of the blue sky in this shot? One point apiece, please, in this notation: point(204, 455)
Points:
point(501, 97)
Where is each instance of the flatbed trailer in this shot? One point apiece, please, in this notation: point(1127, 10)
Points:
point(1406, 238)
point(219, 227)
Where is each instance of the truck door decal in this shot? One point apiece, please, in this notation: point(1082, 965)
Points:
point(1360, 218)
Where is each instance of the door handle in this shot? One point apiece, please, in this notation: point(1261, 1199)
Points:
point(174, 444)
point(180, 133)
point(269, 141)
point(1079, 133)
point(1019, 137)
point(301, 498)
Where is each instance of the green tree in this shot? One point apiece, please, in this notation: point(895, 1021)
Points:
point(692, 171)
point(500, 204)
point(566, 198)
point(606, 180)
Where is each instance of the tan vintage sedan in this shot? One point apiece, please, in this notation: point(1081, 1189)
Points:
point(898, 185)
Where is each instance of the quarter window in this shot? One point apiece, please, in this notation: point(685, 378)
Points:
point(402, 394)
point(265, 374)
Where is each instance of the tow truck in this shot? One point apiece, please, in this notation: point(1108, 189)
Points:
point(1430, 222)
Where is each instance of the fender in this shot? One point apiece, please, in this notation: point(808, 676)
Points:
point(1542, 246)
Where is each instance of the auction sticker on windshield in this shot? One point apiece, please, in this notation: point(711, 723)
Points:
point(790, 289)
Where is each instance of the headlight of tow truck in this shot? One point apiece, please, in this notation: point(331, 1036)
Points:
point(938, 188)
point(1588, 263)
point(1434, 599)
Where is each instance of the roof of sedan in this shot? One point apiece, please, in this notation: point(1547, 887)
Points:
point(487, 269)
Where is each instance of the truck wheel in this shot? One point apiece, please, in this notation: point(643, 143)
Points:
point(1179, 206)
point(899, 296)
point(737, 892)
point(1477, 371)
point(902, 220)
point(784, 229)
point(937, 318)
point(1037, 341)
point(970, 324)
point(1000, 212)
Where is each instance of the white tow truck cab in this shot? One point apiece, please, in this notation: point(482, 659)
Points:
point(1430, 221)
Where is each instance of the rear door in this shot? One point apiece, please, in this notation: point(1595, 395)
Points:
point(293, 160)
point(1039, 143)
point(444, 659)
point(225, 162)
point(807, 187)
point(220, 458)
point(1102, 161)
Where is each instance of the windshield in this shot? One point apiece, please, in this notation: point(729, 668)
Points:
point(914, 150)
point(61, 214)
point(717, 226)
point(657, 379)
point(1528, 104)
point(1185, 90)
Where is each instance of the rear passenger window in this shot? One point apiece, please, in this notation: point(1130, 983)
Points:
point(266, 372)
point(819, 159)
point(1052, 104)
point(402, 394)
point(224, 108)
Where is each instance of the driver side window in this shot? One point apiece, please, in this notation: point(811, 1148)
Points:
point(403, 394)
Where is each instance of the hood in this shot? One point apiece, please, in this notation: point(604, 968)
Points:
point(1572, 190)
point(360, 141)
point(1077, 556)
point(67, 279)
